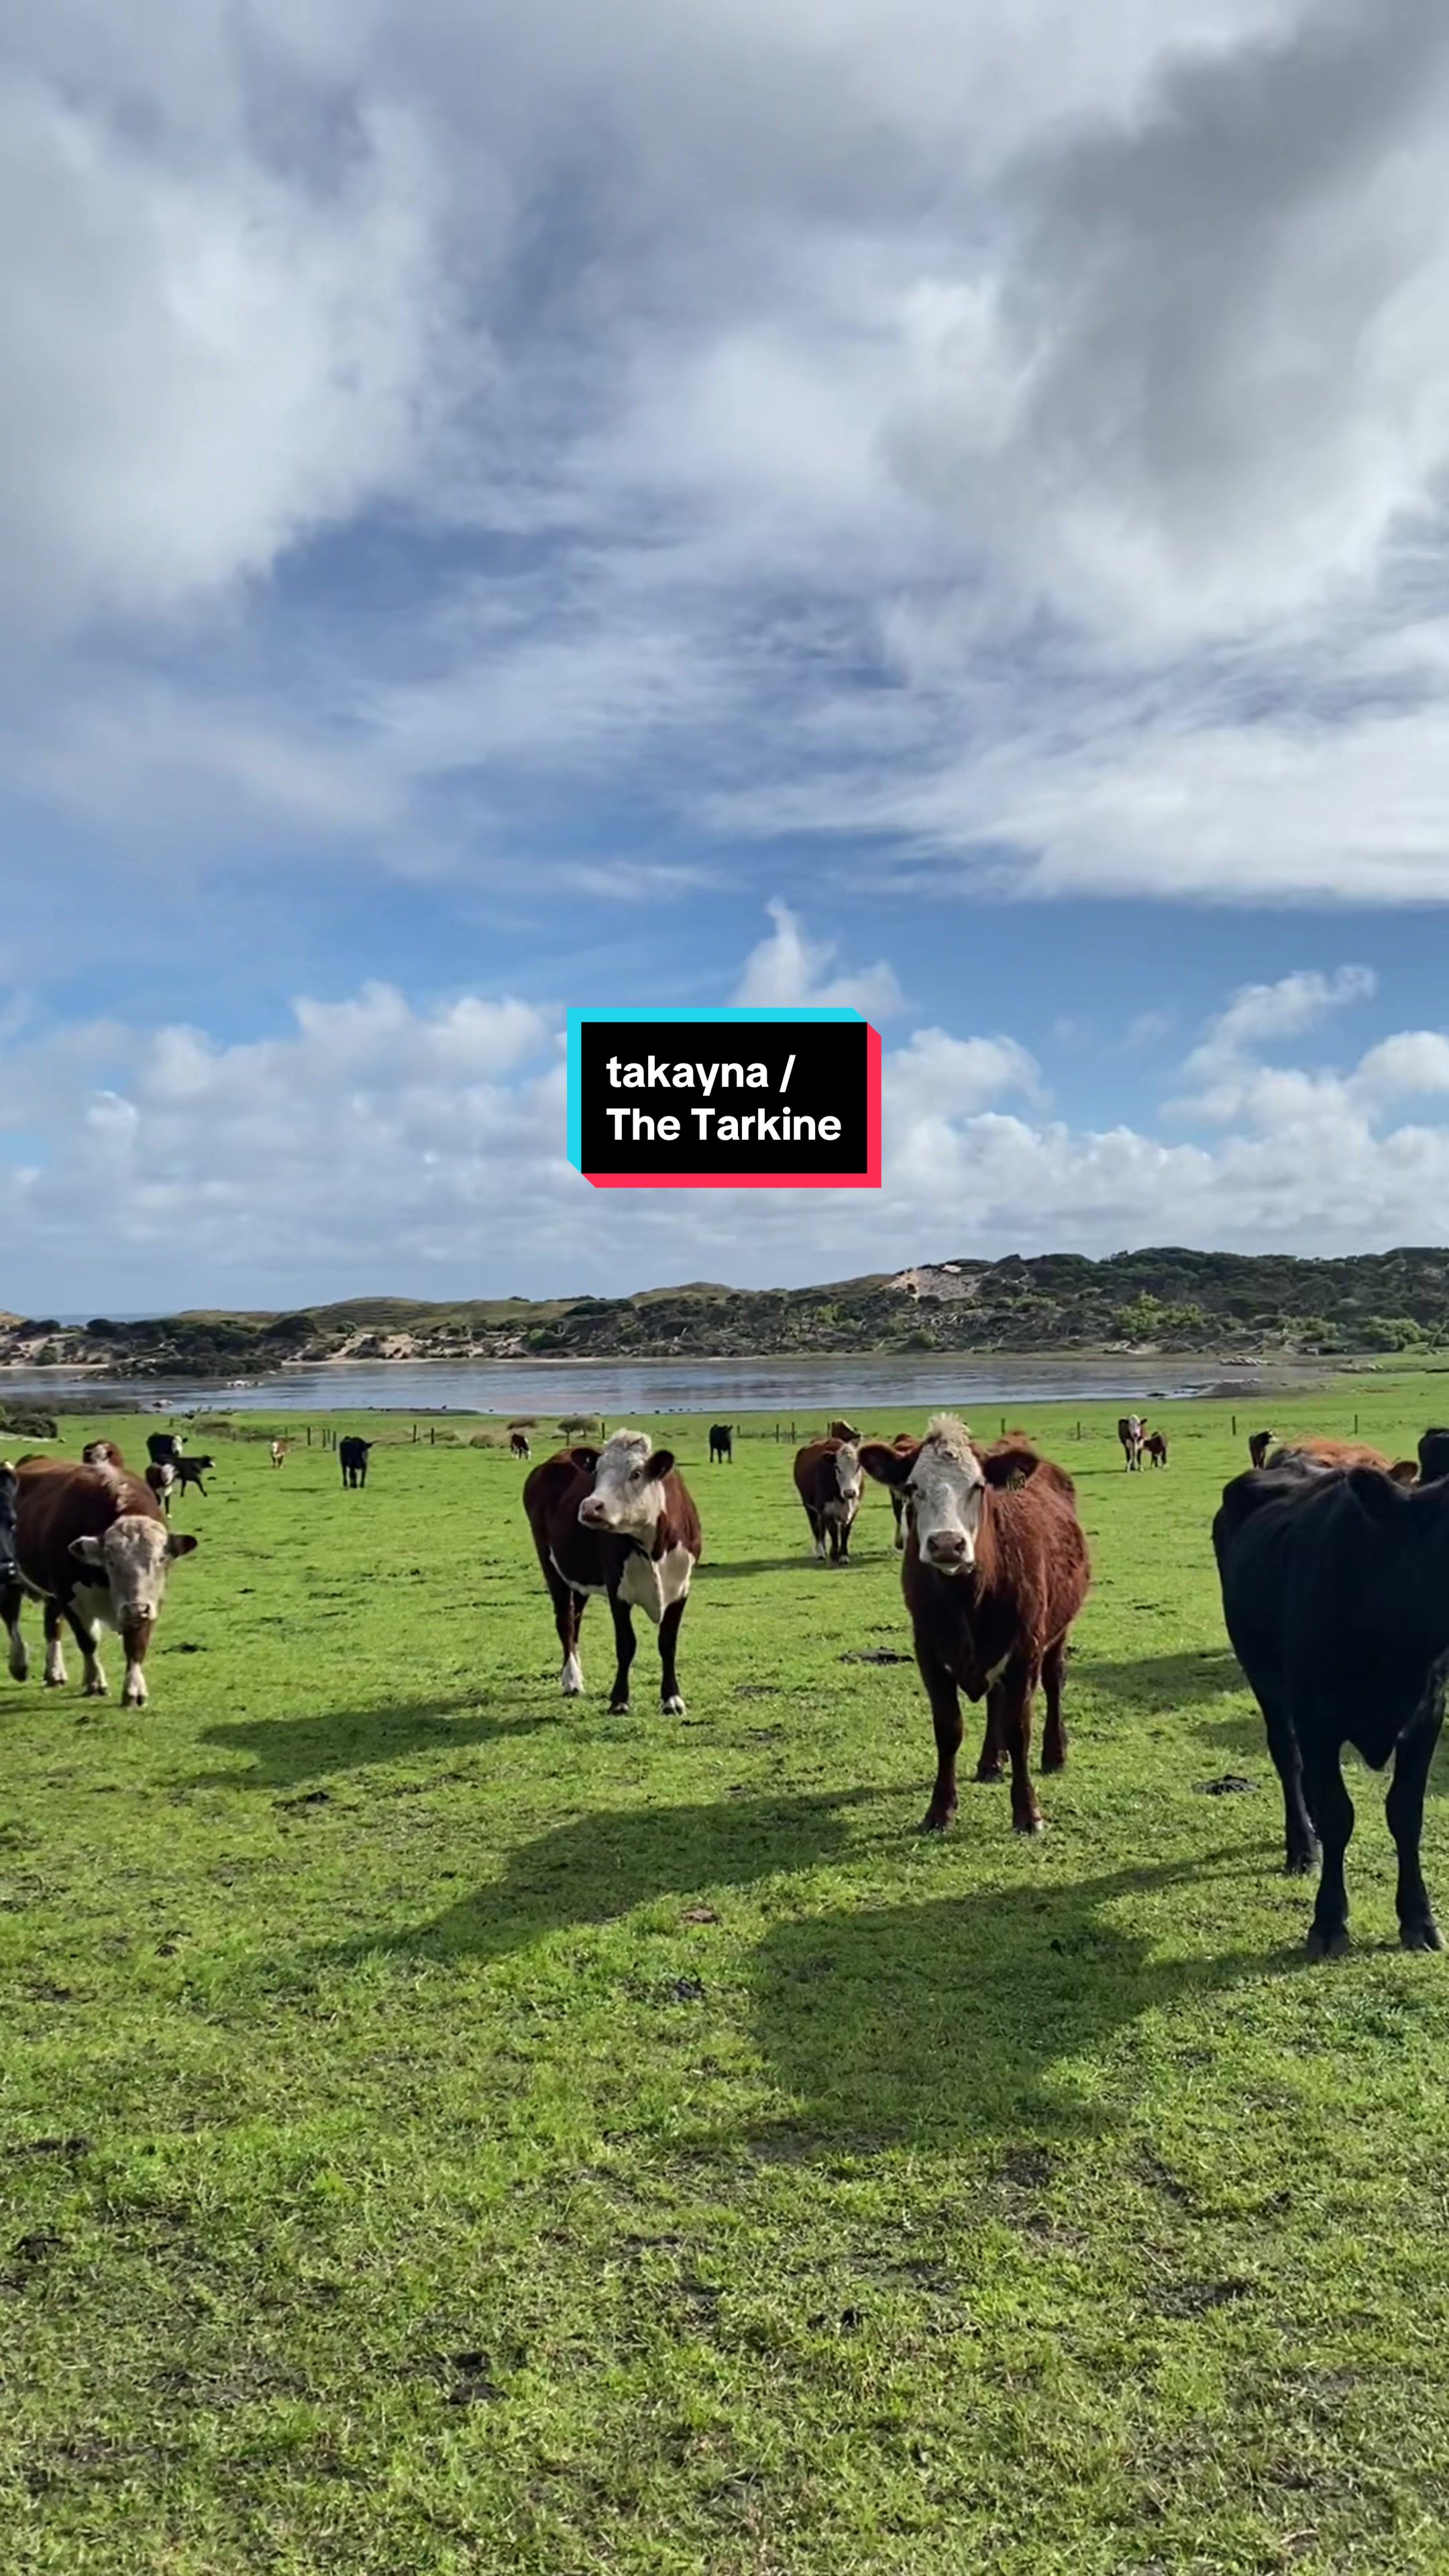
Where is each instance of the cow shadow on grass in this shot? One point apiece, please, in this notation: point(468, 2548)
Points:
point(285, 1750)
point(979, 2014)
point(601, 1866)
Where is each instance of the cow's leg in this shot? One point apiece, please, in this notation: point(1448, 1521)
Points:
point(54, 1650)
point(568, 1611)
point(1054, 1734)
point(10, 1601)
point(945, 1702)
point(1018, 1689)
point(624, 1643)
point(86, 1632)
point(993, 1742)
point(1331, 1808)
point(669, 1694)
point(1300, 1843)
point(1404, 1808)
point(135, 1640)
point(817, 1531)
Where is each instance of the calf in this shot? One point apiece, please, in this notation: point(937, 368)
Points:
point(620, 1521)
point(279, 1452)
point(721, 1443)
point(91, 1543)
point(352, 1457)
point(1155, 1445)
point(161, 1477)
point(828, 1482)
point(518, 1445)
point(189, 1471)
point(996, 1569)
point(1335, 1585)
point(1131, 1431)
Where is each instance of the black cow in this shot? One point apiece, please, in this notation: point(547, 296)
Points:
point(1335, 1587)
point(164, 1448)
point(189, 1471)
point(1433, 1457)
point(352, 1456)
point(721, 1443)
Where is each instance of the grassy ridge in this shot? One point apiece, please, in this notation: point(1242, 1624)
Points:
point(442, 2129)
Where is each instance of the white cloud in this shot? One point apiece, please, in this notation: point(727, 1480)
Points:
point(789, 968)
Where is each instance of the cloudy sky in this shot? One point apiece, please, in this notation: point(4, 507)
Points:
point(935, 503)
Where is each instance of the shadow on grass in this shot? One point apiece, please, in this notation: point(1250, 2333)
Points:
point(601, 1866)
point(941, 2022)
point(285, 1750)
point(804, 1563)
point(1162, 1682)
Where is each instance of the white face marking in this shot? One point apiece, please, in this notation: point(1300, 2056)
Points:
point(624, 1501)
point(136, 1559)
point(946, 1487)
point(849, 1479)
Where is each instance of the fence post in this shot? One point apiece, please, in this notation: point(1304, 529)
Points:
point(432, 1436)
point(1235, 1426)
point(1355, 1426)
point(415, 1435)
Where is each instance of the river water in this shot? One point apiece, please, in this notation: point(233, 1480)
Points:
point(618, 1388)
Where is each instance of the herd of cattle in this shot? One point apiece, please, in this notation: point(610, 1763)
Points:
point(1333, 1563)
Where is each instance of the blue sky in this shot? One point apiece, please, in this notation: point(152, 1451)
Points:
point(902, 504)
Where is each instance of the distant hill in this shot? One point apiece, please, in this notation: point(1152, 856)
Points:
point(1168, 1299)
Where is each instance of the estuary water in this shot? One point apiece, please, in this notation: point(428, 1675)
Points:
point(619, 1388)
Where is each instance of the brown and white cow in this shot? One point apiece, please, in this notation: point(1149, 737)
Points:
point(1131, 1431)
point(92, 1544)
point(618, 1521)
point(161, 1477)
point(279, 1452)
point(829, 1483)
point(996, 1569)
point(518, 1444)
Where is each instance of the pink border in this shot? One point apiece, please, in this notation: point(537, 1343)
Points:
point(869, 1179)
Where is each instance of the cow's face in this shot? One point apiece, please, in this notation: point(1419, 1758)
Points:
point(628, 1494)
point(944, 1488)
point(848, 1477)
point(133, 1560)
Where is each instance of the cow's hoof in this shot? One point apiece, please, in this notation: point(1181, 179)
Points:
point(673, 1707)
point(1422, 1934)
point(989, 1770)
point(936, 1820)
point(19, 1671)
point(1327, 1945)
point(55, 1681)
point(95, 1690)
point(1301, 1864)
point(618, 1708)
point(1028, 1824)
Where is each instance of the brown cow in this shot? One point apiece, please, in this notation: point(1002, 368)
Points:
point(904, 1440)
point(828, 1482)
point(101, 1453)
point(1155, 1445)
point(996, 1569)
point(92, 1544)
point(617, 1520)
point(279, 1452)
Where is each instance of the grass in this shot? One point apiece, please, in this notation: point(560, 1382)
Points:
point(448, 2129)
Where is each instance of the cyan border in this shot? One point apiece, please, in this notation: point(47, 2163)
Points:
point(726, 1014)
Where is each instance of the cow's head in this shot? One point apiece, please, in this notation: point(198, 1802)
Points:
point(944, 1480)
point(628, 1490)
point(133, 1558)
point(849, 1482)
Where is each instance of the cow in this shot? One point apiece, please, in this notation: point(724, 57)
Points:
point(1342, 1453)
point(161, 1477)
point(279, 1452)
point(1433, 1457)
point(189, 1471)
point(1155, 1445)
point(352, 1457)
point(828, 1482)
point(1131, 1431)
point(518, 1445)
point(92, 1544)
point(619, 1521)
point(163, 1448)
point(995, 1571)
point(903, 1440)
point(1259, 1444)
point(721, 1444)
point(842, 1431)
point(102, 1453)
point(1335, 1588)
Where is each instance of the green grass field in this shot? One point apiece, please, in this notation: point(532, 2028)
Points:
point(445, 2128)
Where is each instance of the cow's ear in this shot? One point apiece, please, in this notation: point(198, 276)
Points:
point(1010, 1466)
point(888, 1466)
point(659, 1466)
point(1376, 1494)
point(1404, 1471)
point(588, 1459)
point(88, 1551)
point(180, 1544)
